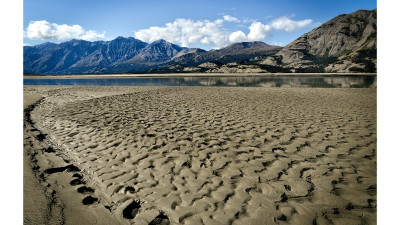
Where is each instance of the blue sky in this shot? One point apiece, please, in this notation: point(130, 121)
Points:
point(205, 24)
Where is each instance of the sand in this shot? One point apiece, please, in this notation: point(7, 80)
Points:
point(202, 155)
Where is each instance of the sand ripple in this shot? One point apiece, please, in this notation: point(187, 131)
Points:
point(211, 155)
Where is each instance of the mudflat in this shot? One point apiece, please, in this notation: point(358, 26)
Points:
point(203, 155)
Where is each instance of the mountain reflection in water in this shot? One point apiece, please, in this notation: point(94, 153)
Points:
point(358, 81)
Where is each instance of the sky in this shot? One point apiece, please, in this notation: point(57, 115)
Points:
point(205, 24)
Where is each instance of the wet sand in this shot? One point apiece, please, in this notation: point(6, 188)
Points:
point(204, 155)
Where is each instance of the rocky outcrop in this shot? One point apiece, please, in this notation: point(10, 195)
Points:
point(346, 43)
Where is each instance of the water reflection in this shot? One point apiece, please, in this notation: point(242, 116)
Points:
point(349, 82)
point(259, 81)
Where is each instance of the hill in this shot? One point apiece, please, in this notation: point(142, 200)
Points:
point(347, 43)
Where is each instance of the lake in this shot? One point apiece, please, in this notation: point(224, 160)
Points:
point(306, 81)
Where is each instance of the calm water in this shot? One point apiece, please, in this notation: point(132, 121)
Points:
point(260, 81)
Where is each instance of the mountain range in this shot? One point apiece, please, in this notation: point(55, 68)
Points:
point(347, 43)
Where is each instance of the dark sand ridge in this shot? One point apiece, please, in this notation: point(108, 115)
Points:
point(193, 155)
point(49, 198)
point(35, 208)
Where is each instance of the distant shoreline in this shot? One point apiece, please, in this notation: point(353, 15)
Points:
point(75, 76)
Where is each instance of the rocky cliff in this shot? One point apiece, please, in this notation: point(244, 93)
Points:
point(347, 43)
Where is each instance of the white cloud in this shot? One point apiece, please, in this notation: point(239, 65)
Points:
point(231, 19)
point(25, 44)
point(51, 31)
point(219, 21)
point(247, 20)
point(186, 32)
point(258, 32)
point(238, 36)
point(288, 25)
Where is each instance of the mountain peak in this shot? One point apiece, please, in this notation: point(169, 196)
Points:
point(120, 38)
point(75, 42)
point(161, 41)
point(247, 44)
point(46, 44)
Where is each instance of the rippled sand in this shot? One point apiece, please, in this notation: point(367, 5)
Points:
point(211, 155)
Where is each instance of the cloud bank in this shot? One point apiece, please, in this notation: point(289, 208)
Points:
point(44, 30)
point(258, 32)
point(231, 19)
point(186, 32)
point(288, 25)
